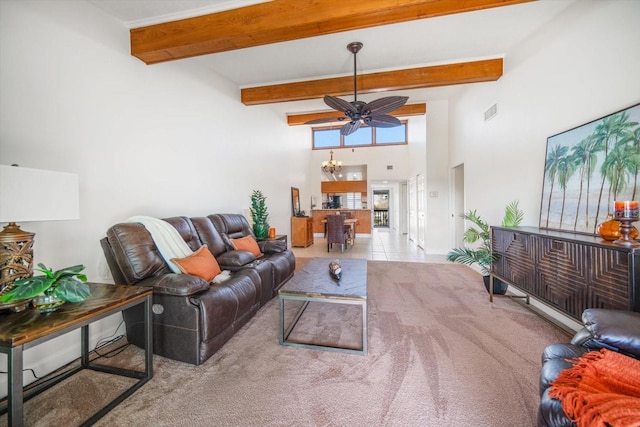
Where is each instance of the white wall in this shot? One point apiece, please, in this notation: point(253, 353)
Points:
point(162, 140)
point(376, 160)
point(582, 65)
point(437, 173)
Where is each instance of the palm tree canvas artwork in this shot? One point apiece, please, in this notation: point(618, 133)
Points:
point(589, 167)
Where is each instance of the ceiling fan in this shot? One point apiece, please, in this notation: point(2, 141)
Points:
point(372, 114)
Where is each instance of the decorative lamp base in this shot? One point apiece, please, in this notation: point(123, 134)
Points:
point(16, 251)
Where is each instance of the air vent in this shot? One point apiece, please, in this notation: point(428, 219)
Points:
point(491, 112)
point(389, 167)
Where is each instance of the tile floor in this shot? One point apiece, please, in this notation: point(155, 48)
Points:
point(382, 245)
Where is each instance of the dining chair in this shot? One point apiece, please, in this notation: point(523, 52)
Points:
point(336, 232)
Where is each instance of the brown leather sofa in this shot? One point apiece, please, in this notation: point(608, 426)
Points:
point(192, 318)
point(615, 330)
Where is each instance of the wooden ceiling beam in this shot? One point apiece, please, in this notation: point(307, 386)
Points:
point(413, 78)
point(404, 111)
point(283, 20)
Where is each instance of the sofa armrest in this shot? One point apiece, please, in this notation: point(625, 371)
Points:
point(272, 246)
point(233, 260)
point(616, 330)
point(183, 285)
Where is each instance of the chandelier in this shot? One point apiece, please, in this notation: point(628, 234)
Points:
point(331, 165)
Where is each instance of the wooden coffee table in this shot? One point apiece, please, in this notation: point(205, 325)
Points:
point(314, 283)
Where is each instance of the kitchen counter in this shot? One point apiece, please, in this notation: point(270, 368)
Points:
point(362, 215)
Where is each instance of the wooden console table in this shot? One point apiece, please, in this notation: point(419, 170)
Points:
point(24, 330)
point(567, 271)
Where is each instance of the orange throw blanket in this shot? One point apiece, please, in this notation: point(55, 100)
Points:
point(602, 389)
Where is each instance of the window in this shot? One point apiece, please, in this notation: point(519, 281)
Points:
point(363, 136)
point(329, 137)
point(326, 138)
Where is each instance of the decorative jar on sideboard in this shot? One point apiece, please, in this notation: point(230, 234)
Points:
point(610, 229)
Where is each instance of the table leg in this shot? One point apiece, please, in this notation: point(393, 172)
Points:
point(16, 396)
point(281, 320)
point(364, 328)
point(148, 338)
point(84, 346)
point(490, 287)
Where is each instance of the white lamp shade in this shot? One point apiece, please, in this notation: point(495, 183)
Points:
point(38, 195)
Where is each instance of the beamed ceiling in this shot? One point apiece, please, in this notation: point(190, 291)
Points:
point(241, 42)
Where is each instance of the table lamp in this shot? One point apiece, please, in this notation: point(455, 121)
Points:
point(30, 195)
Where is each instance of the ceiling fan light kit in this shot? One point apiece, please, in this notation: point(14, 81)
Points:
point(372, 114)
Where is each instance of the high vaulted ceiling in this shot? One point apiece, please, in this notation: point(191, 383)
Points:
point(292, 50)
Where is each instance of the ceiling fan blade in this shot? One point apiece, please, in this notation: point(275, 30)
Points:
point(325, 120)
point(385, 105)
point(382, 121)
point(339, 104)
point(350, 127)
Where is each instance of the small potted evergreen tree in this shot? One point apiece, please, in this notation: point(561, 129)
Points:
point(259, 214)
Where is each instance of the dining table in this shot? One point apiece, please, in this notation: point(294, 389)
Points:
point(351, 222)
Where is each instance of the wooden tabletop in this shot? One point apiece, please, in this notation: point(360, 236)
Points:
point(347, 221)
point(20, 328)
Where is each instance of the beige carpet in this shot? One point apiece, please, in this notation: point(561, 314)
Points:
point(439, 355)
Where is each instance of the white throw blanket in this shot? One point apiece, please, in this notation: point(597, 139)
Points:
point(167, 239)
point(170, 243)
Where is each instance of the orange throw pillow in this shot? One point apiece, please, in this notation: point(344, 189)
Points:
point(247, 243)
point(201, 263)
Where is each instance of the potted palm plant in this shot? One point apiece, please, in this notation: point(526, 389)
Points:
point(479, 230)
point(52, 289)
point(259, 214)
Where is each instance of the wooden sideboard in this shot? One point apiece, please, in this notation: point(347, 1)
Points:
point(569, 272)
point(301, 231)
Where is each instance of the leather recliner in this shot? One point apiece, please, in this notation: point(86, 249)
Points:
point(281, 262)
point(615, 330)
point(192, 318)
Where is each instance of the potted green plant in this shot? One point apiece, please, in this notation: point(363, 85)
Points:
point(259, 214)
point(479, 230)
point(52, 289)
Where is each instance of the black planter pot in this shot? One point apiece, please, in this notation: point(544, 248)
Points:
point(499, 287)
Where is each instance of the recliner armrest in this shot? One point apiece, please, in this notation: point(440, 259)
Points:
point(272, 246)
point(616, 330)
point(175, 284)
point(233, 260)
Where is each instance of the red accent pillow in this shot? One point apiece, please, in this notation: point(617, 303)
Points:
point(247, 243)
point(201, 263)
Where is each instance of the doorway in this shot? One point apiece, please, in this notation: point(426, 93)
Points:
point(404, 212)
point(381, 208)
point(420, 196)
point(413, 220)
point(458, 206)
